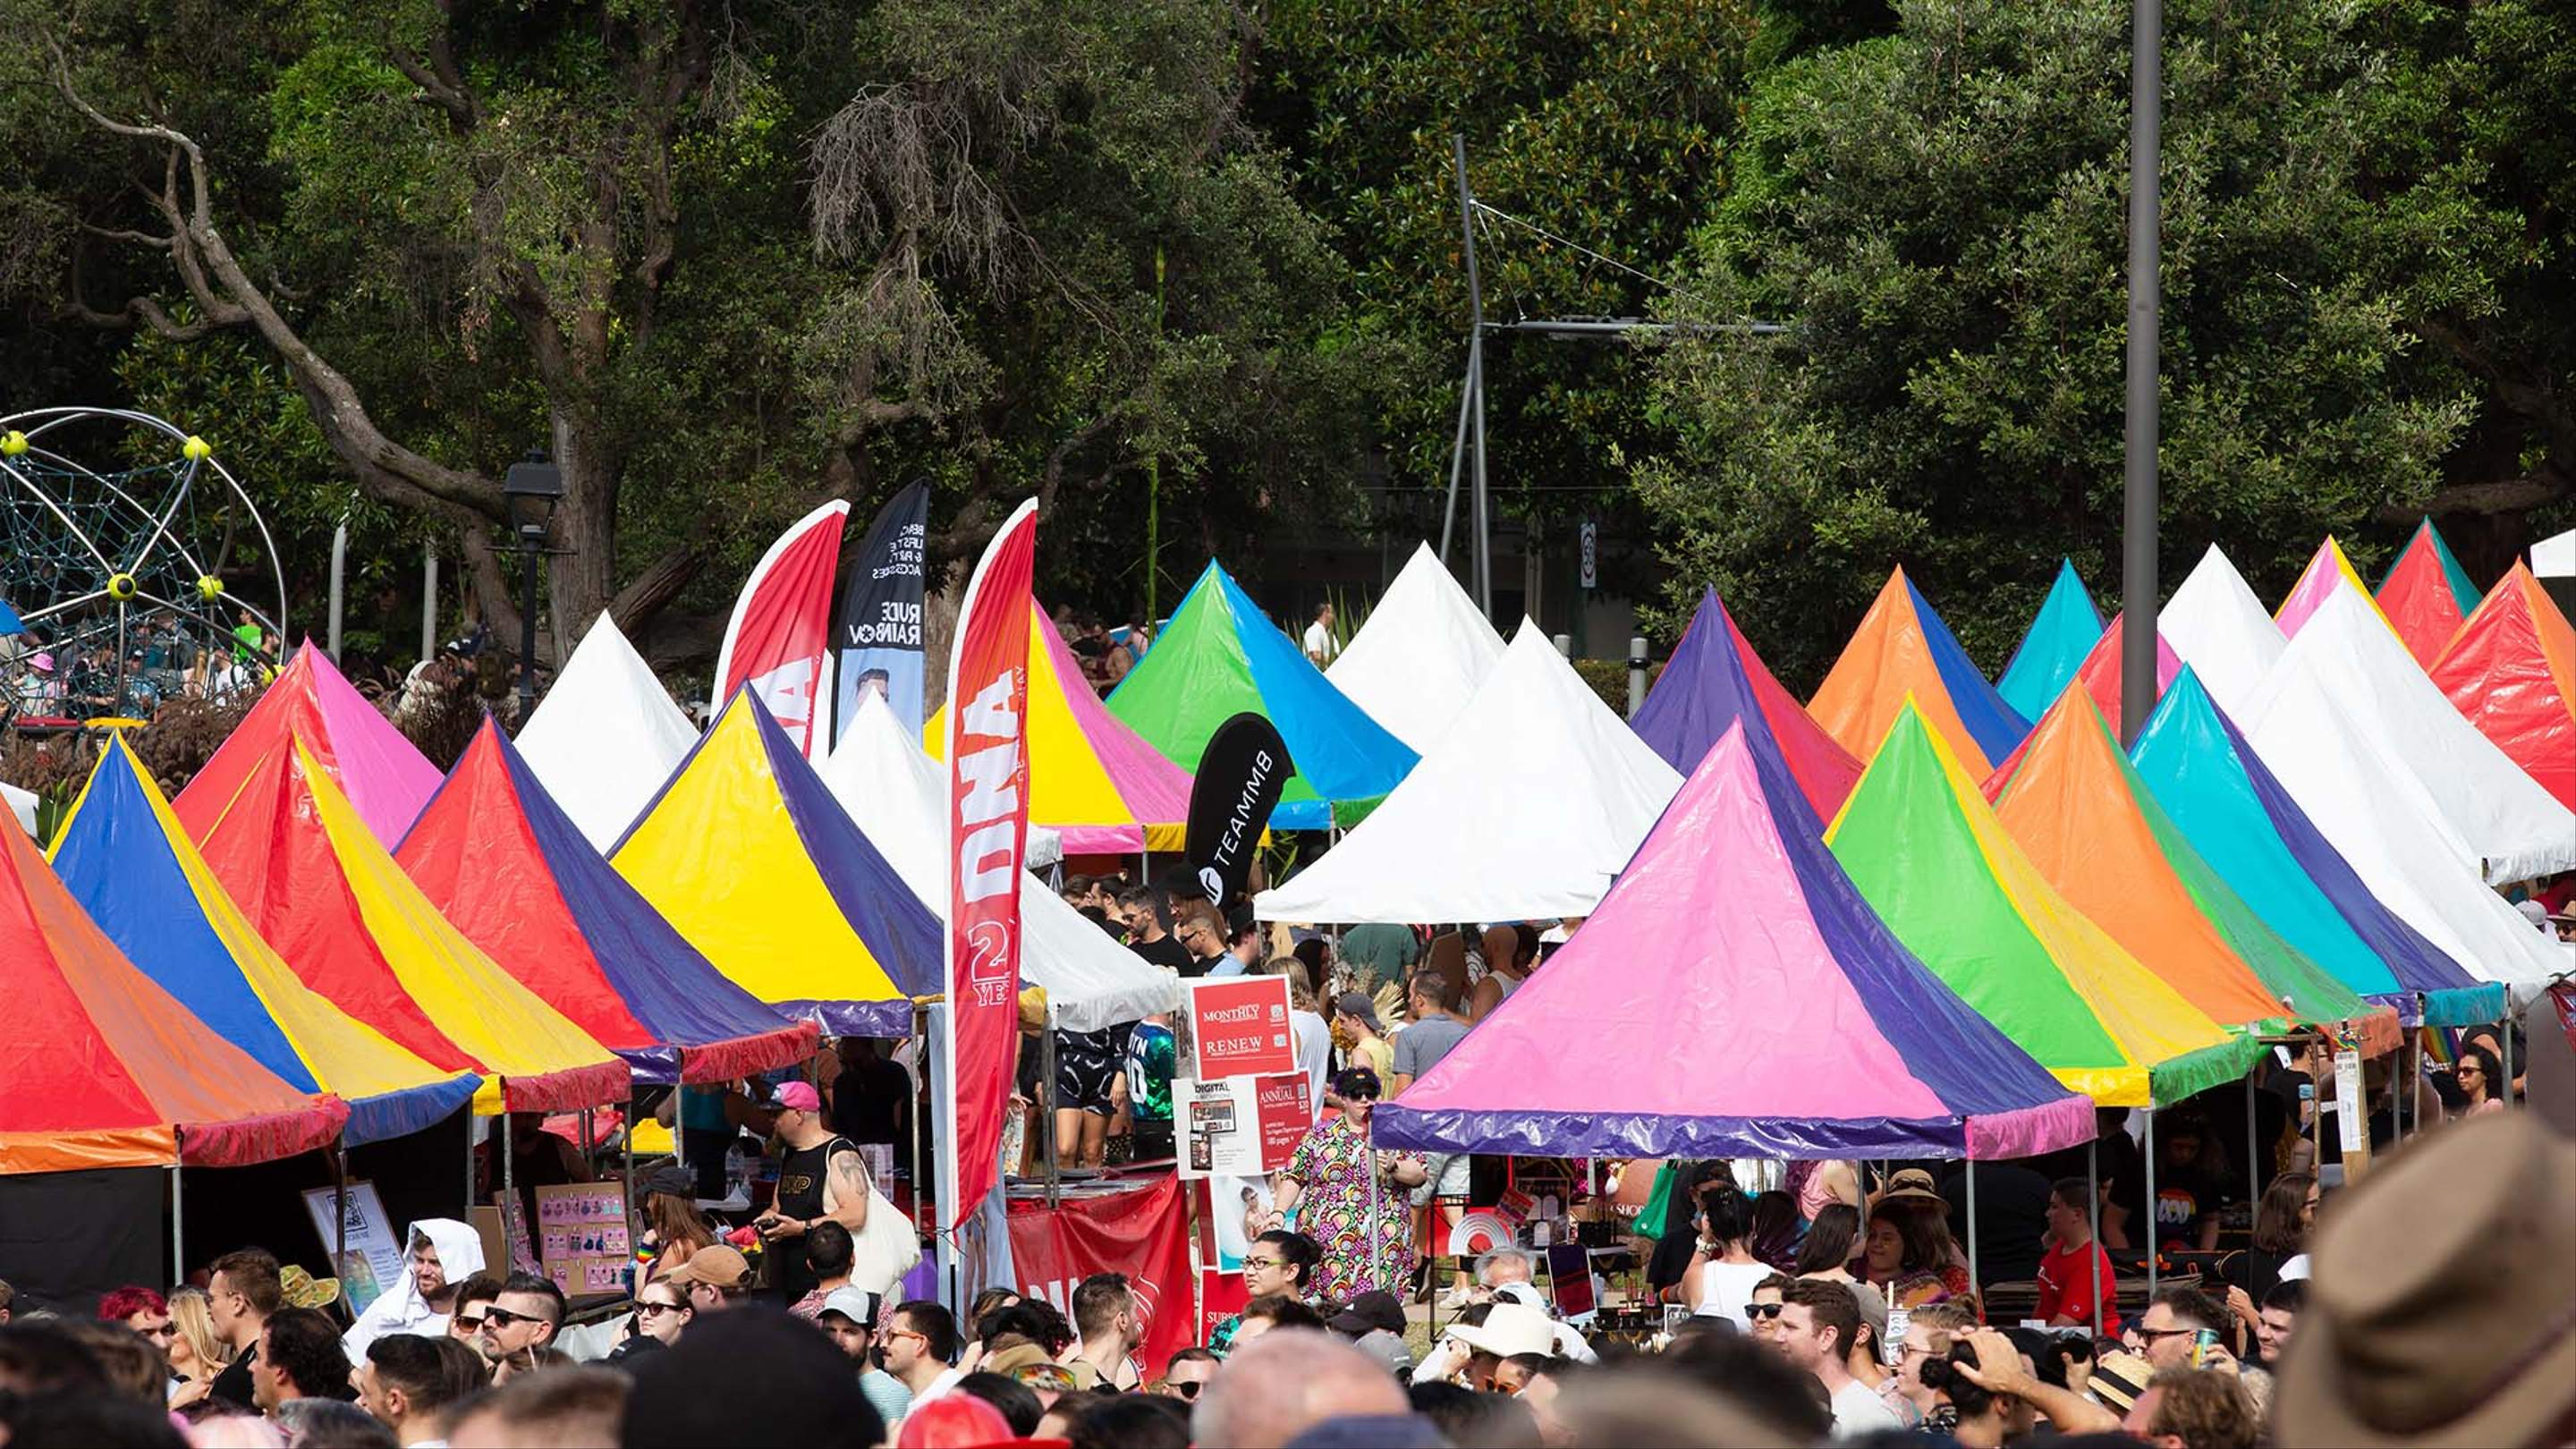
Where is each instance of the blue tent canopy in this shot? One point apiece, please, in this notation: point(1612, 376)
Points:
point(2060, 635)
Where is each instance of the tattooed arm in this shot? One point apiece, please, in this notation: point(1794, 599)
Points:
point(845, 1190)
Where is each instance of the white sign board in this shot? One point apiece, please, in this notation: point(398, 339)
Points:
point(373, 1263)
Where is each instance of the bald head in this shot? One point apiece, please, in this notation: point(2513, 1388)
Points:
point(1287, 1381)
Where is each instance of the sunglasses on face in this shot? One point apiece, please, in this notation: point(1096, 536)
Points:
point(1762, 1310)
point(503, 1317)
point(470, 1325)
point(2150, 1335)
point(656, 1310)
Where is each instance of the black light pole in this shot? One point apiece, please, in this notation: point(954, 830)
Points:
point(2146, 210)
point(532, 487)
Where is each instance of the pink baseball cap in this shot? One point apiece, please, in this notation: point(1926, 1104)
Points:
point(799, 1095)
point(42, 660)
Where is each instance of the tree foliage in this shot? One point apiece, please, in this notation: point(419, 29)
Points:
point(1942, 214)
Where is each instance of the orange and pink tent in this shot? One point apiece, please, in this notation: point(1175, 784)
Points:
point(2511, 669)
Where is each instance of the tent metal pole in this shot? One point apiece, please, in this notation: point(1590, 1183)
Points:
point(2093, 1213)
point(627, 1142)
point(920, 1123)
point(2504, 1045)
point(1976, 1284)
point(2153, 1237)
point(1054, 1148)
point(2253, 1148)
point(340, 1207)
point(178, 1229)
point(509, 1175)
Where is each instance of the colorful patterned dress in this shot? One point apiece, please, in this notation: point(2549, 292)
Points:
point(1333, 1166)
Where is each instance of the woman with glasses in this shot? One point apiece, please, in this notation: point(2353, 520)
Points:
point(1352, 1200)
point(197, 1352)
point(662, 1313)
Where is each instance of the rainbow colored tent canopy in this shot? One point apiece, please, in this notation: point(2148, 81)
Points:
point(2221, 630)
point(292, 852)
point(106, 1069)
point(1735, 955)
point(508, 868)
point(2328, 571)
point(125, 859)
point(1715, 679)
point(1091, 778)
point(385, 779)
point(1941, 870)
point(2511, 669)
point(2426, 595)
point(2079, 812)
point(747, 855)
point(1903, 649)
point(1219, 657)
point(2061, 635)
point(2246, 826)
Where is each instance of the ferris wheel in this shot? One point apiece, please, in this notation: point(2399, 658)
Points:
point(134, 569)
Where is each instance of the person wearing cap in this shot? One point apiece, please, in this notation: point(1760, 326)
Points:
point(1570, 1342)
point(1355, 1026)
point(848, 1318)
point(714, 1279)
point(673, 1228)
point(820, 1176)
point(1374, 1323)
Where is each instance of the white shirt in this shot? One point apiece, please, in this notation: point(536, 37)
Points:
point(1320, 642)
point(1313, 1037)
point(1859, 1410)
point(1726, 1287)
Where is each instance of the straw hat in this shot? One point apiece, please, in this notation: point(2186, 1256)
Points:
point(2440, 1312)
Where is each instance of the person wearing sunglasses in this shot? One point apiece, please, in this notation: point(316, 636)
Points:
point(473, 1299)
point(1762, 1311)
point(662, 1312)
point(1186, 1374)
point(522, 1320)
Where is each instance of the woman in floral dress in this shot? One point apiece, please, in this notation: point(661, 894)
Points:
point(1326, 1184)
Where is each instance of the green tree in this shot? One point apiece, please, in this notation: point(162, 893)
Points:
point(724, 261)
point(1941, 215)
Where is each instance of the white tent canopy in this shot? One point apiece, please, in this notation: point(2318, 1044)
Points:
point(2554, 557)
point(1418, 659)
point(2508, 824)
point(21, 805)
point(2384, 822)
point(880, 775)
point(2217, 626)
point(1524, 810)
point(606, 737)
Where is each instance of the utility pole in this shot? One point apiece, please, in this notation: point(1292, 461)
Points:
point(2146, 218)
point(1475, 408)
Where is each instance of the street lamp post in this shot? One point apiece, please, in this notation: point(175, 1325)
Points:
point(532, 487)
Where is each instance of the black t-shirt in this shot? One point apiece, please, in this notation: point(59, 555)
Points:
point(1166, 952)
point(869, 1101)
point(233, 1384)
point(2012, 1217)
point(1672, 1255)
point(2185, 1198)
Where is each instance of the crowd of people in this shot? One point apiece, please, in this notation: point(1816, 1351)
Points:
point(2434, 1311)
point(2303, 1299)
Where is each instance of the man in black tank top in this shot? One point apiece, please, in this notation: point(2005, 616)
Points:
point(820, 1177)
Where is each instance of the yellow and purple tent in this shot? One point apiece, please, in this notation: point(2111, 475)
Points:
point(503, 862)
point(1941, 870)
point(2511, 669)
point(749, 857)
point(385, 779)
point(125, 859)
point(2426, 594)
point(1091, 779)
point(107, 1070)
point(293, 853)
point(2079, 812)
point(1902, 650)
